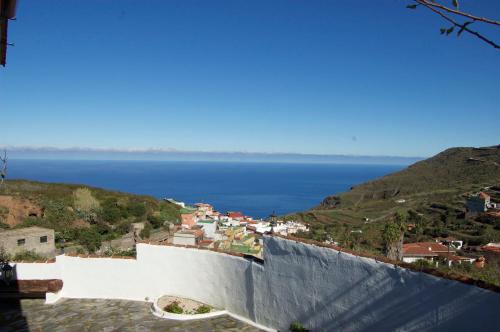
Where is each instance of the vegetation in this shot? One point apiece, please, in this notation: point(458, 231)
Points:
point(297, 327)
point(203, 309)
point(429, 199)
point(87, 216)
point(174, 308)
point(4, 256)
point(119, 252)
point(27, 256)
point(393, 235)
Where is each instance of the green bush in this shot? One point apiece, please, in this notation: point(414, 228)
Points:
point(89, 238)
point(155, 221)
point(174, 308)
point(27, 256)
point(146, 231)
point(136, 209)
point(203, 309)
point(422, 264)
point(297, 327)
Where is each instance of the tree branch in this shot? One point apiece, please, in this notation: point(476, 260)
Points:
point(455, 23)
point(457, 12)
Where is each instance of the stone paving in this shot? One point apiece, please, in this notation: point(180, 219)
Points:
point(75, 315)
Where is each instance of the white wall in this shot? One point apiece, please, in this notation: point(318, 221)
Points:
point(33, 271)
point(323, 289)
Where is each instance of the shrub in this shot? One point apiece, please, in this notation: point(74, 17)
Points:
point(89, 238)
point(155, 220)
point(203, 309)
point(84, 201)
point(174, 308)
point(422, 264)
point(146, 231)
point(4, 255)
point(28, 256)
point(136, 209)
point(297, 327)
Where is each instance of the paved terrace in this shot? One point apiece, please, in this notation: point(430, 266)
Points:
point(100, 315)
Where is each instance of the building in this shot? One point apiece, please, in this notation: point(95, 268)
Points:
point(209, 228)
point(433, 252)
point(188, 217)
point(188, 237)
point(478, 203)
point(236, 215)
point(36, 239)
point(173, 201)
point(205, 209)
point(429, 251)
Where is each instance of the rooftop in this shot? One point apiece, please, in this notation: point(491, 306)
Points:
point(425, 249)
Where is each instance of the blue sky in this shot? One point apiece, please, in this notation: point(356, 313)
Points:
point(315, 77)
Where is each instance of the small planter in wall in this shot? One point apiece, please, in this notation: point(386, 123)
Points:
point(178, 308)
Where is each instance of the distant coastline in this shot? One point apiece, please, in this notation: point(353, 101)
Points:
point(176, 155)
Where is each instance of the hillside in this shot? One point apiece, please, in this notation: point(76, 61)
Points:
point(453, 170)
point(431, 192)
point(79, 214)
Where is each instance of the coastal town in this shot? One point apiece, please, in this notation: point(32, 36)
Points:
point(202, 225)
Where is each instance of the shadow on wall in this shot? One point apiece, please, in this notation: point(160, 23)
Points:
point(11, 312)
point(434, 305)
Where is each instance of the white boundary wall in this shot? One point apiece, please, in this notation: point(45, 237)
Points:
point(320, 287)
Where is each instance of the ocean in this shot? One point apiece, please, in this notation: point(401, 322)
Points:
point(256, 189)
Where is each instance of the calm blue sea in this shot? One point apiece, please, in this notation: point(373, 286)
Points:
point(256, 189)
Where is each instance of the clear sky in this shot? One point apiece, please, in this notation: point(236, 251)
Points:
point(321, 77)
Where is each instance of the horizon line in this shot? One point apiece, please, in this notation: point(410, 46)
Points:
point(172, 151)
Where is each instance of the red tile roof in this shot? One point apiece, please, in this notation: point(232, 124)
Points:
point(484, 195)
point(425, 249)
point(492, 247)
point(235, 215)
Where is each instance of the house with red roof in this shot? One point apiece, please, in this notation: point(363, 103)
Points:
point(235, 215)
point(432, 252)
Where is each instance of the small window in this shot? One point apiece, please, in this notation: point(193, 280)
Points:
point(43, 239)
point(21, 242)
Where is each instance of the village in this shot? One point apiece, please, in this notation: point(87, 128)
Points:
point(201, 225)
point(450, 250)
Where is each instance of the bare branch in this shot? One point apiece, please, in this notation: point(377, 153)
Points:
point(458, 12)
point(455, 23)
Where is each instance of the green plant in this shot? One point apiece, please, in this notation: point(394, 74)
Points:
point(4, 255)
point(174, 308)
point(422, 264)
point(89, 238)
point(27, 256)
point(297, 327)
point(203, 309)
point(146, 231)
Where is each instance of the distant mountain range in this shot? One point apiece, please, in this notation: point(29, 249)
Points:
point(173, 154)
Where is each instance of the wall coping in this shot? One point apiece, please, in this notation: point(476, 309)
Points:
point(450, 276)
point(377, 258)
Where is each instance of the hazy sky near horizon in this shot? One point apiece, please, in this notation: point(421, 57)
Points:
point(319, 77)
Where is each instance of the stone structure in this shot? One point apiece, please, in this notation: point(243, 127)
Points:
point(188, 237)
point(37, 239)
